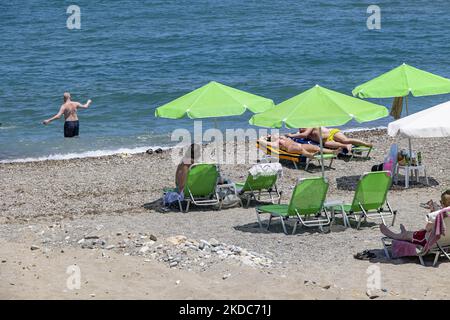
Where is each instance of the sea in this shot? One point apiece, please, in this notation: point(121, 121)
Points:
point(132, 56)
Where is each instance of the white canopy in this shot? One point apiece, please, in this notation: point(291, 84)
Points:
point(430, 123)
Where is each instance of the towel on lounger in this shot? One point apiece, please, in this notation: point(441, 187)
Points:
point(305, 141)
point(438, 227)
point(404, 249)
point(266, 169)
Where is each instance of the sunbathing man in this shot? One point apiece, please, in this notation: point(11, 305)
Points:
point(417, 237)
point(289, 145)
point(332, 138)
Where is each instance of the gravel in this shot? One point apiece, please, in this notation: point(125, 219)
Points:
point(110, 203)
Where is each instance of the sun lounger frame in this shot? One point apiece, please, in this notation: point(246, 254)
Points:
point(438, 250)
point(302, 222)
point(251, 194)
point(361, 149)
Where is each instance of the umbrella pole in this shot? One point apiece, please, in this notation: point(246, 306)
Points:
point(321, 152)
point(217, 145)
point(409, 139)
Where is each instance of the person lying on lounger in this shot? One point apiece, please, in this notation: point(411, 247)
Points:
point(417, 237)
point(332, 138)
point(286, 144)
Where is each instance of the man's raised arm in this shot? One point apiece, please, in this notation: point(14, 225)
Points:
point(56, 116)
point(84, 106)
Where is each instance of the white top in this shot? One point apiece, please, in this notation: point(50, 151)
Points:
point(432, 216)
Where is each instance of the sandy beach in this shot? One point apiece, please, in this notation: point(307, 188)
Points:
point(101, 215)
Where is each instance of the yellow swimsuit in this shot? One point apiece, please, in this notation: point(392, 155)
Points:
point(332, 133)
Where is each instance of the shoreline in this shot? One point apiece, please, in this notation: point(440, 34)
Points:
point(141, 150)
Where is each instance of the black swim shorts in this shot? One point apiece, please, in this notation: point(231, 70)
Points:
point(71, 129)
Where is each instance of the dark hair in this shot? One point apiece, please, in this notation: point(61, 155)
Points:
point(445, 193)
point(192, 152)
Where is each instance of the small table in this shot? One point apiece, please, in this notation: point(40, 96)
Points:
point(413, 171)
point(337, 203)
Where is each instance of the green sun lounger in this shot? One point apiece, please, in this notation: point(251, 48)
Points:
point(200, 188)
point(255, 187)
point(306, 205)
point(369, 200)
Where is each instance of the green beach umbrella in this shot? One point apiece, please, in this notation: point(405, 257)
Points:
point(213, 100)
point(319, 107)
point(400, 82)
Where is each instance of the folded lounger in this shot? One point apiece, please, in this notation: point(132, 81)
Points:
point(261, 181)
point(441, 247)
point(294, 157)
point(306, 205)
point(369, 200)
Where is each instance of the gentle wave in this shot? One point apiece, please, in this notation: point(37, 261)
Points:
point(365, 129)
point(7, 127)
point(86, 154)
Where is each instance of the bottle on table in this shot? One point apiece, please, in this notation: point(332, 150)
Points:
point(413, 159)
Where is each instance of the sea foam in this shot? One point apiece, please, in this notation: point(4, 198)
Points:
point(85, 154)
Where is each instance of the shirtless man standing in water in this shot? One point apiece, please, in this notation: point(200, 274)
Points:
point(289, 145)
point(69, 110)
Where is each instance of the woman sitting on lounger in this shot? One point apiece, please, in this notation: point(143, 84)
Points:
point(417, 237)
point(286, 144)
point(332, 138)
point(191, 156)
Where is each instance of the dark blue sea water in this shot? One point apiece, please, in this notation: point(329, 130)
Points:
point(131, 56)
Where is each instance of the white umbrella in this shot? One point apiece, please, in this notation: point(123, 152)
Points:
point(430, 123)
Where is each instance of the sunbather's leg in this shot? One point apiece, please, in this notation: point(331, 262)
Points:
point(335, 151)
point(315, 149)
point(298, 148)
point(403, 235)
point(342, 138)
